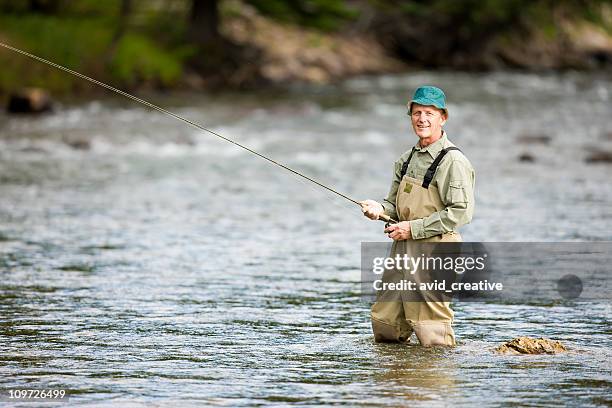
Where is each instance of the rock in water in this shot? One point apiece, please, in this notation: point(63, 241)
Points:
point(29, 100)
point(526, 158)
point(534, 139)
point(527, 345)
point(600, 156)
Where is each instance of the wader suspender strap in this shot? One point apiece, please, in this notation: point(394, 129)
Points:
point(432, 169)
point(434, 166)
point(405, 165)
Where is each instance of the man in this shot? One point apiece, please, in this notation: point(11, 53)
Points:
point(432, 194)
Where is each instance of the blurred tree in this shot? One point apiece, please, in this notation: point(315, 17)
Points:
point(125, 9)
point(124, 14)
point(204, 22)
point(215, 57)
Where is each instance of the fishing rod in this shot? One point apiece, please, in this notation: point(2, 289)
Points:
point(382, 217)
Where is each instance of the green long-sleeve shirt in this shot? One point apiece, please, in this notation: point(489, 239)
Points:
point(454, 179)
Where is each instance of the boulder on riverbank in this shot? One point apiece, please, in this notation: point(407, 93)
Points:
point(527, 345)
point(29, 100)
point(290, 53)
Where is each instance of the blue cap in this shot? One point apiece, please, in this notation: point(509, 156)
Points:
point(429, 96)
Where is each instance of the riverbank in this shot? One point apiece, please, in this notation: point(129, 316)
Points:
point(257, 49)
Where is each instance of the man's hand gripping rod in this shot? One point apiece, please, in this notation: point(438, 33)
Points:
point(388, 220)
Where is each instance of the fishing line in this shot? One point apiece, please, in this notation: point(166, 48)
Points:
point(178, 117)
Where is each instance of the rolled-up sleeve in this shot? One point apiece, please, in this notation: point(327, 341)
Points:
point(455, 184)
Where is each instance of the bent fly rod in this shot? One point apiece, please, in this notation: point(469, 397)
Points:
point(382, 217)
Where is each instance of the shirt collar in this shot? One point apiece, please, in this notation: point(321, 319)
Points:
point(435, 148)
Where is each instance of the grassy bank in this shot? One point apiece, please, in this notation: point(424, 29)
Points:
point(85, 44)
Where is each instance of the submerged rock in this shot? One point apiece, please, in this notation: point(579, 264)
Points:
point(600, 156)
point(527, 345)
point(526, 158)
point(78, 143)
point(534, 139)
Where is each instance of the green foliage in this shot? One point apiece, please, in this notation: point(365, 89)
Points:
point(594, 12)
point(168, 28)
point(75, 43)
point(326, 15)
point(153, 46)
point(14, 6)
point(474, 18)
point(138, 59)
point(81, 38)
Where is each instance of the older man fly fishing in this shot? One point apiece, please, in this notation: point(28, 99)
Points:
point(432, 195)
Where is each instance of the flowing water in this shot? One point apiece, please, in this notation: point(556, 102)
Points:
point(144, 263)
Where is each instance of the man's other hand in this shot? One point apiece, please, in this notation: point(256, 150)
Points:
point(371, 209)
point(399, 231)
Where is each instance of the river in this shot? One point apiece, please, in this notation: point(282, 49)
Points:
point(145, 263)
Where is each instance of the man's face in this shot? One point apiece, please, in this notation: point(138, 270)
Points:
point(427, 121)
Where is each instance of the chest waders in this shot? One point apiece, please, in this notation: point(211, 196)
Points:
point(430, 320)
